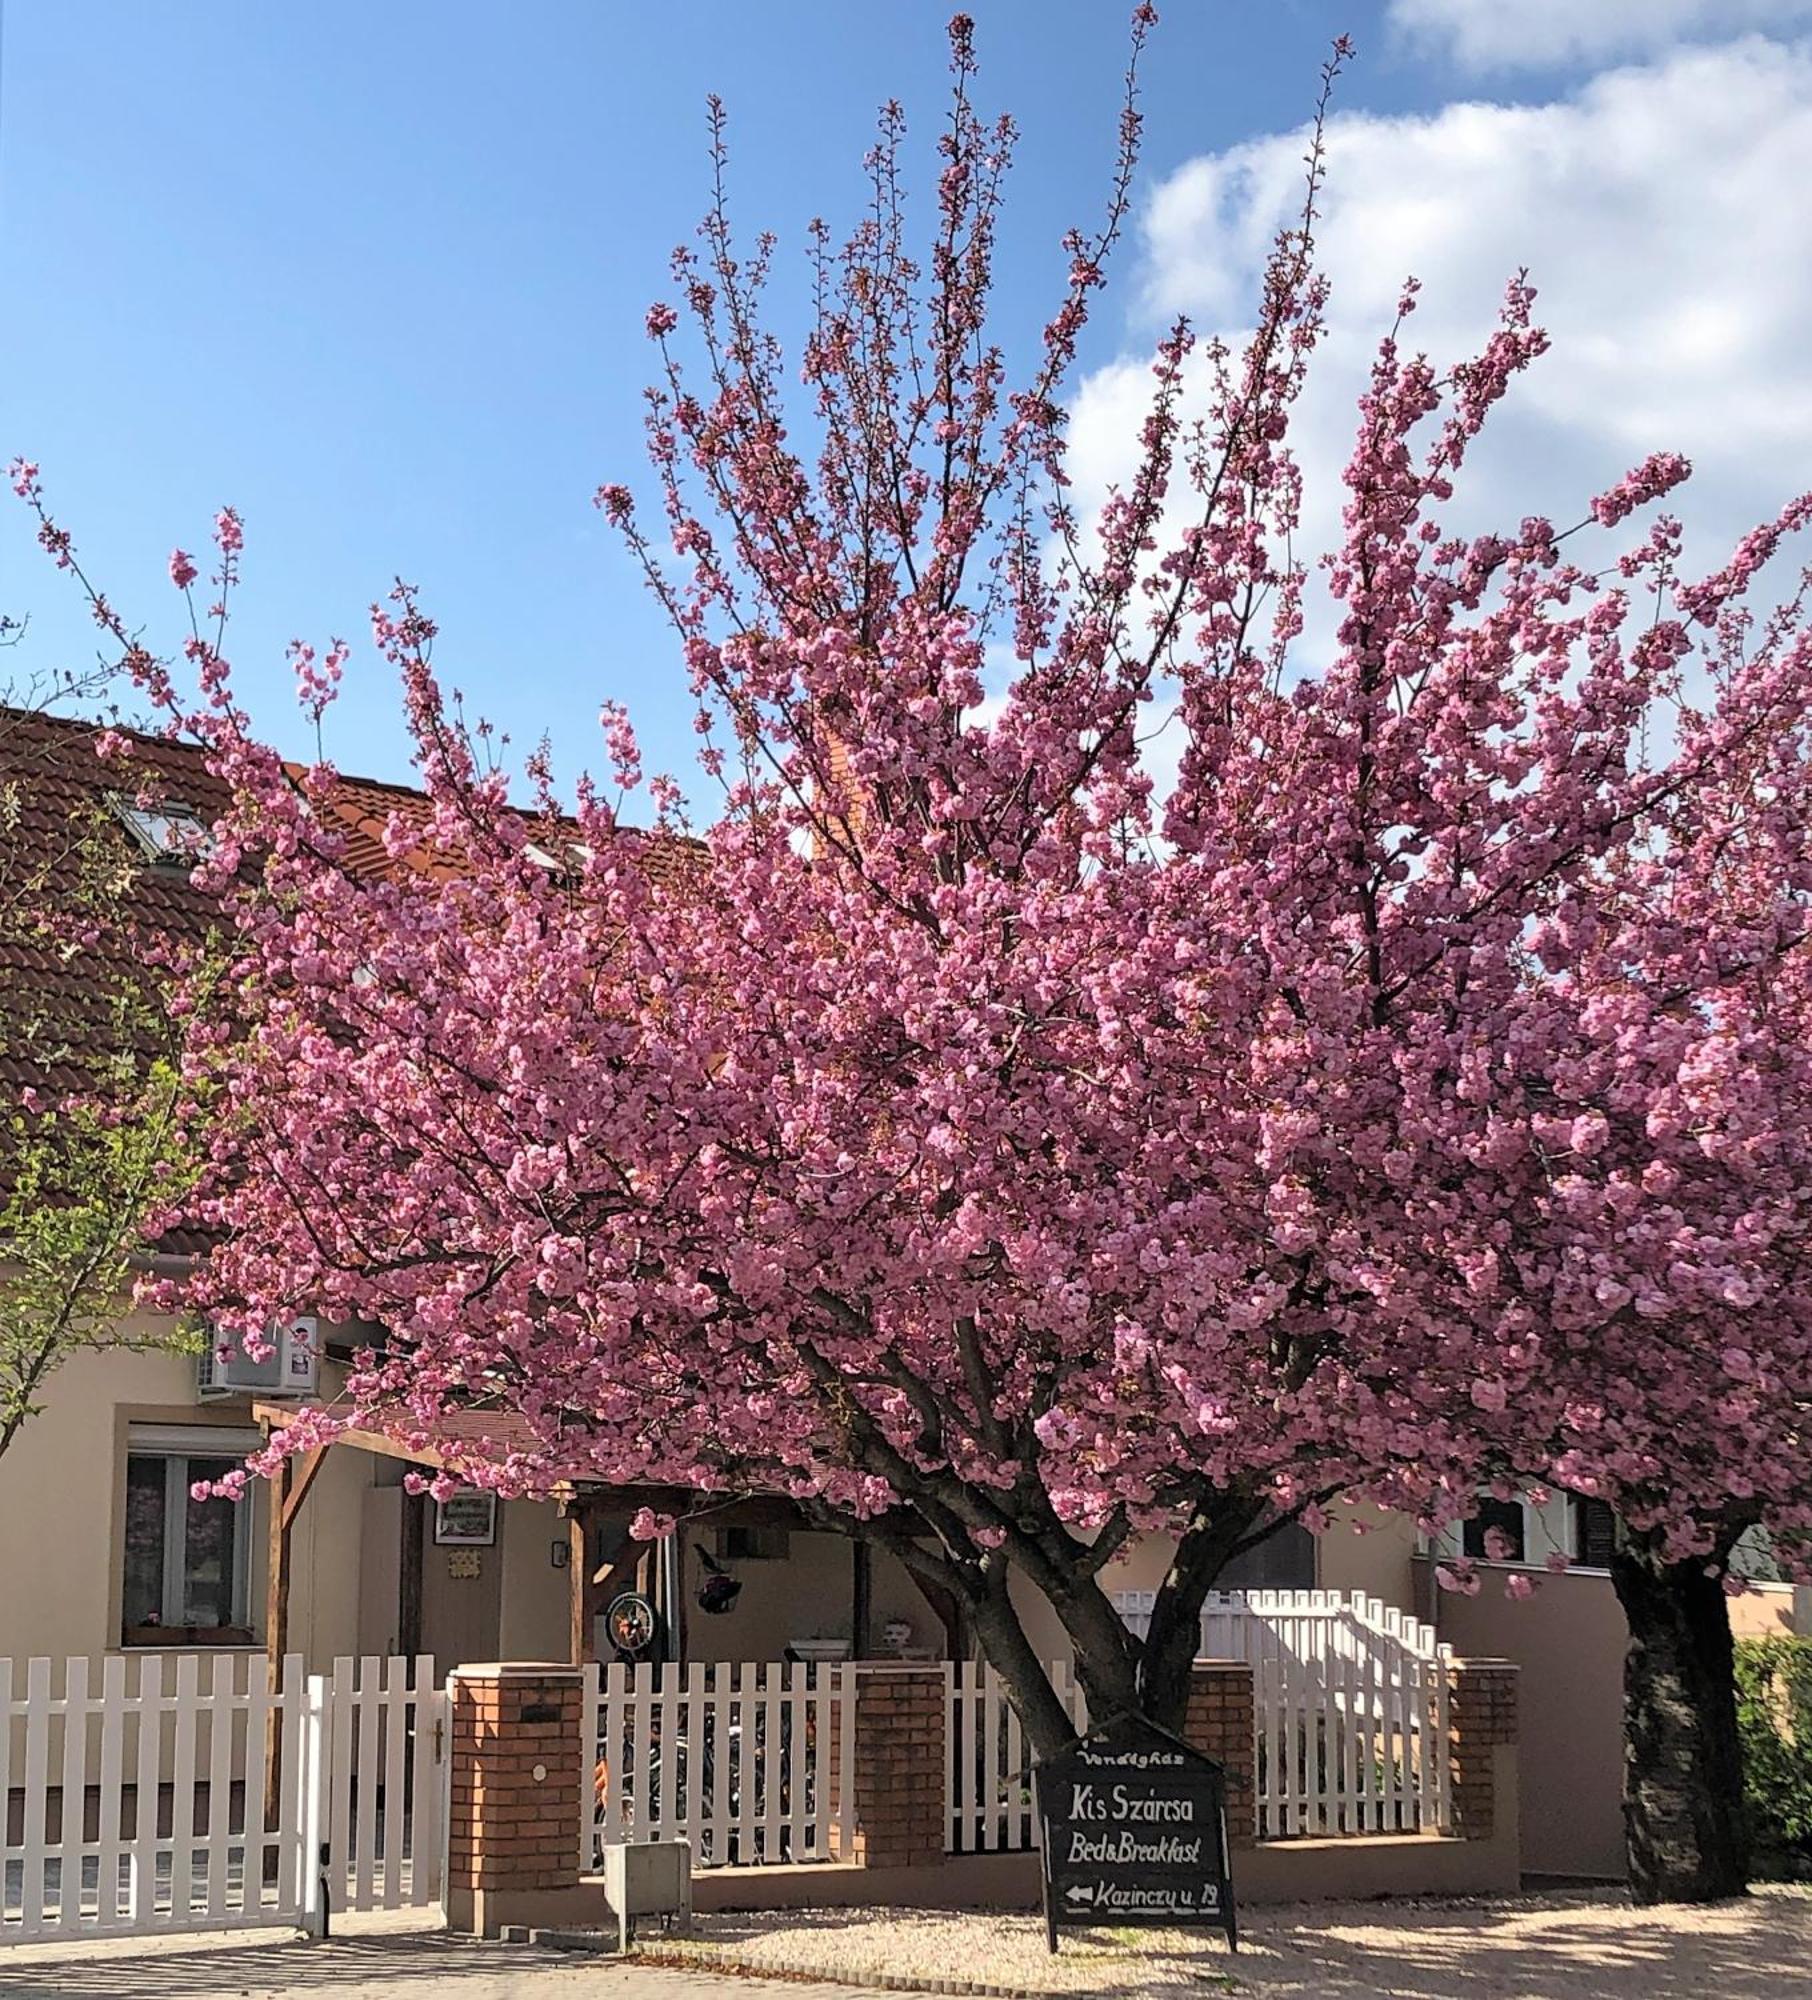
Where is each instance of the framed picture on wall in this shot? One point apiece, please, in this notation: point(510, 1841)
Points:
point(466, 1519)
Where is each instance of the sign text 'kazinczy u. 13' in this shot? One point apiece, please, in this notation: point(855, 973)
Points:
point(1135, 1832)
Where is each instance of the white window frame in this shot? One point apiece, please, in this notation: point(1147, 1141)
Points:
point(170, 833)
point(178, 1445)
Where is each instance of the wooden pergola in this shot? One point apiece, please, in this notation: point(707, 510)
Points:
point(603, 1562)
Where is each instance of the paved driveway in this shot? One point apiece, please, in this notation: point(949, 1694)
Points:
point(385, 1966)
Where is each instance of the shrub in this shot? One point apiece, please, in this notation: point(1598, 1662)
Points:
point(1774, 1715)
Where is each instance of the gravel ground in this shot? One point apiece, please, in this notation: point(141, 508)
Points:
point(1556, 1947)
point(1571, 1947)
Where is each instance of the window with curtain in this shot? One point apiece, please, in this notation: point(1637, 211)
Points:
point(185, 1574)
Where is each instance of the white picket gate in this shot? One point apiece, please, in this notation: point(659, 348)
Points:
point(990, 1761)
point(141, 1804)
point(749, 1762)
point(1350, 1699)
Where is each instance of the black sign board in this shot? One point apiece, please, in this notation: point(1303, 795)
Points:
point(1135, 1832)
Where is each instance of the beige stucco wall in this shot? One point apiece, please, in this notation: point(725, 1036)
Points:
point(1569, 1641)
point(62, 1512)
point(1771, 1611)
point(535, 1615)
point(62, 1498)
point(1366, 1549)
point(809, 1596)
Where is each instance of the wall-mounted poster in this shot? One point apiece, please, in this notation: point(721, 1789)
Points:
point(466, 1519)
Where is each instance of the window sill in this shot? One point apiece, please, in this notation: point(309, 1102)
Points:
point(186, 1638)
point(1536, 1569)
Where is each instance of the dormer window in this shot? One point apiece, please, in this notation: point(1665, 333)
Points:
point(167, 832)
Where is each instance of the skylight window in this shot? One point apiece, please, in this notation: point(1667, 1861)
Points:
point(167, 832)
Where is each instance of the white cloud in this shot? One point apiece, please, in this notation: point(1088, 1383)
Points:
point(1657, 212)
point(1536, 34)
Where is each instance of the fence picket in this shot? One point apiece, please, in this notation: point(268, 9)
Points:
point(1396, 1744)
point(591, 1739)
point(6, 1782)
point(824, 1680)
point(340, 1714)
point(767, 1757)
point(72, 1797)
point(723, 1749)
point(107, 1817)
point(182, 1790)
point(608, 1779)
point(1014, 1774)
point(143, 1909)
point(218, 1711)
point(289, 1804)
point(363, 1789)
point(255, 1841)
point(37, 1760)
point(395, 1716)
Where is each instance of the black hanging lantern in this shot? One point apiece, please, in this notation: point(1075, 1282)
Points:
point(719, 1590)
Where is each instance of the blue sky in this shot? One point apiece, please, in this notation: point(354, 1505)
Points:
point(375, 274)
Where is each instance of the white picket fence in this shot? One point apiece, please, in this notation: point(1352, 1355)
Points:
point(990, 1761)
point(141, 1804)
point(749, 1762)
point(1350, 1699)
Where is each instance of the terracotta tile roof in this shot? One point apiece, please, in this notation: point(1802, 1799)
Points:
point(365, 806)
point(61, 792)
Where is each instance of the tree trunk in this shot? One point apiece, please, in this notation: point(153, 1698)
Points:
point(1682, 1760)
point(1174, 1637)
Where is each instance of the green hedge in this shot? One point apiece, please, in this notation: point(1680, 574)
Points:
point(1774, 1713)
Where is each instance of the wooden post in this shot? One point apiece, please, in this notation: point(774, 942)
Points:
point(409, 1575)
point(289, 1487)
point(861, 1598)
point(276, 1577)
point(580, 1588)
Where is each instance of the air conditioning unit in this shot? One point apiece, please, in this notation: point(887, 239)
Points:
point(291, 1368)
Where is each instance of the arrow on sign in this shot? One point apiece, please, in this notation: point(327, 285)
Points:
point(1080, 1892)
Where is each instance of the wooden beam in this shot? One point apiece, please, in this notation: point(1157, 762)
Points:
point(308, 1469)
point(409, 1575)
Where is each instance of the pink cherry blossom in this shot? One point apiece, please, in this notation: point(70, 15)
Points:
point(991, 1140)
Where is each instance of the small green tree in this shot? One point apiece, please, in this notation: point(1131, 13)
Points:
point(92, 1137)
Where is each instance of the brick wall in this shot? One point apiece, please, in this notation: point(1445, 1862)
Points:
point(1220, 1722)
point(901, 1756)
point(507, 1827)
point(1481, 1719)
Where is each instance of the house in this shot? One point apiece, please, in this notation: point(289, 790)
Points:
point(104, 1550)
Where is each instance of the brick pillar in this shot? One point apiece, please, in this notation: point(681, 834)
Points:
point(1221, 1723)
point(1481, 1723)
point(516, 1790)
point(901, 1775)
